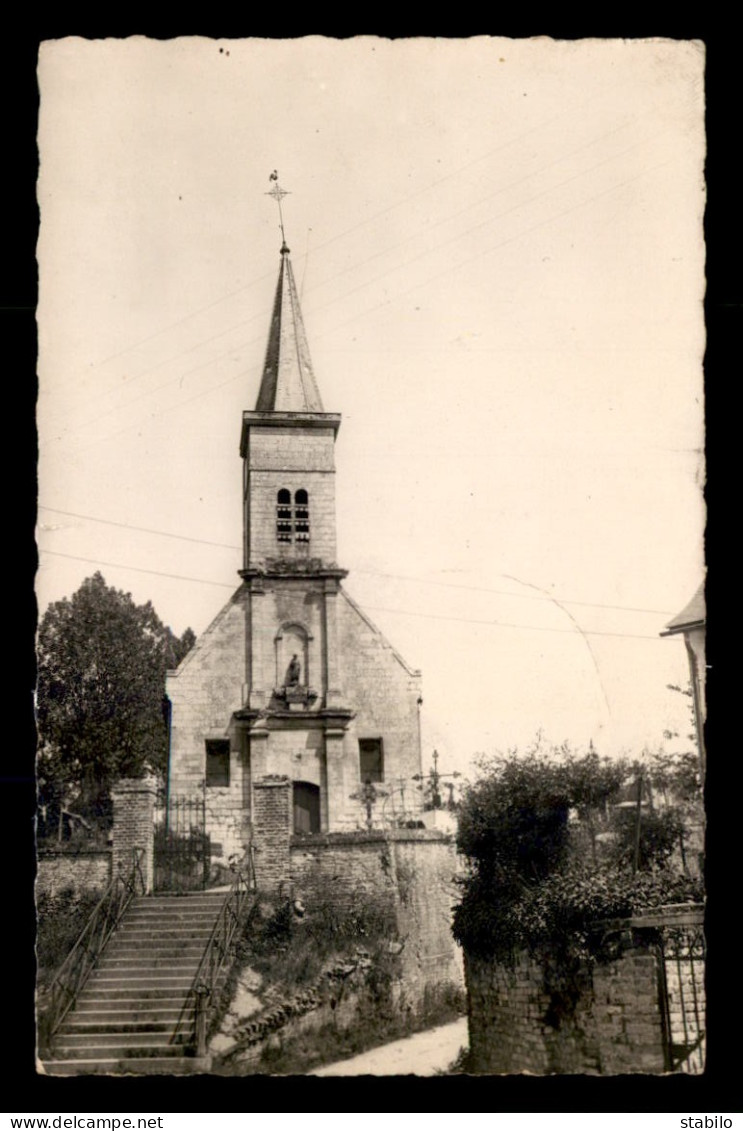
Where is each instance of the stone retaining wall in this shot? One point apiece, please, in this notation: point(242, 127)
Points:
point(84, 870)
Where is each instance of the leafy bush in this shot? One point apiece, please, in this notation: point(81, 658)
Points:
point(553, 848)
point(60, 920)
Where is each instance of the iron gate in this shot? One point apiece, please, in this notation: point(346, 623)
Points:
point(182, 847)
point(682, 994)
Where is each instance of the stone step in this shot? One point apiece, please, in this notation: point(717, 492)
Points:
point(151, 1065)
point(192, 899)
point(143, 933)
point(103, 1018)
point(127, 993)
point(125, 1018)
point(96, 1025)
point(67, 1043)
point(120, 1050)
point(115, 965)
point(179, 912)
point(157, 950)
point(102, 983)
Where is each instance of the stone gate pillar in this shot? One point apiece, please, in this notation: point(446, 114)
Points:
point(134, 803)
point(272, 830)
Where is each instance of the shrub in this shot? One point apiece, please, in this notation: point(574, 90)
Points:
point(60, 920)
point(534, 883)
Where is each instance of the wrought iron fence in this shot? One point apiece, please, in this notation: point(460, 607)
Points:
point(676, 933)
point(182, 847)
point(683, 998)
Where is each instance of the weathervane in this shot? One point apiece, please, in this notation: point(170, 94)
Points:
point(278, 193)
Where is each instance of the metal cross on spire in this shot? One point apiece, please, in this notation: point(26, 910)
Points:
point(278, 193)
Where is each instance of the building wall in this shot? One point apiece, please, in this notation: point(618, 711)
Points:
point(212, 683)
point(612, 1025)
point(284, 604)
point(291, 458)
point(207, 687)
point(383, 692)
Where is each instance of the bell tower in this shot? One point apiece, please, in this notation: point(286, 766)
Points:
point(287, 447)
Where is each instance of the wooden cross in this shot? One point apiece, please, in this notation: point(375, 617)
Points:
point(368, 795)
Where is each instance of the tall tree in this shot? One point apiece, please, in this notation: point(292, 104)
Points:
point(101, 683)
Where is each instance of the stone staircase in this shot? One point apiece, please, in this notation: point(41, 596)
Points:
point(125, 1017)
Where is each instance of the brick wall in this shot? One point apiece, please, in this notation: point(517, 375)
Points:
point(133, 829)
point(613, 1027)
point(85, 870)
point(272, 815)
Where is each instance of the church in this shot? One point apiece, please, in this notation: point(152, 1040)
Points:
point(292, 682)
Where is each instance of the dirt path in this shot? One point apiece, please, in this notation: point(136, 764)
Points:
point(423, 1054)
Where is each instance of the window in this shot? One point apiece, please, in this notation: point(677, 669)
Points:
point(371, 760)
point(301, 516)
point(217, 761)
point(306, 807)
point(292, 521)
point(283, 516)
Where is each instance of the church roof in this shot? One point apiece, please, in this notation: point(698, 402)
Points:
point(692, 615)
point(288, 383)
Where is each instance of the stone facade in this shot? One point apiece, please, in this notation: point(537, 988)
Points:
point(291, 678)
point(406, 875)
point(612, 1026)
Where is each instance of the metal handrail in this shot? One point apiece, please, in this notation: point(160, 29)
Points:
point(75, 970)
point(216, 952)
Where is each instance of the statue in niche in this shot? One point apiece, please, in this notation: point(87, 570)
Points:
point(293, 672)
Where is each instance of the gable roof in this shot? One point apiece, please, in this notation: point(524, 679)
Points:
point(693, 615)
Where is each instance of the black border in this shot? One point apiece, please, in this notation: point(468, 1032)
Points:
point(26, 1091)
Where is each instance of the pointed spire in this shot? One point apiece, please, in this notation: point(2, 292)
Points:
point(288, 383)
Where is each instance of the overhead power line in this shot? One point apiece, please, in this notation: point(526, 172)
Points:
point(398, 612)
point(139, 569)
point(370, 572)
point(141, 529)
point(507, 624)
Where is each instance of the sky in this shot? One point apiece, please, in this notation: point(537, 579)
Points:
point(499, 250)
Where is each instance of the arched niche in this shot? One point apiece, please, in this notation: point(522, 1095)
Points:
point(292, 648)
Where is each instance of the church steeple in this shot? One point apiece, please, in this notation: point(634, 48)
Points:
point(288, 382)
point(287, 447)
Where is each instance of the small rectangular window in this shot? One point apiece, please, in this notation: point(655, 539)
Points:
point(371, 760)
point(217, 761)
